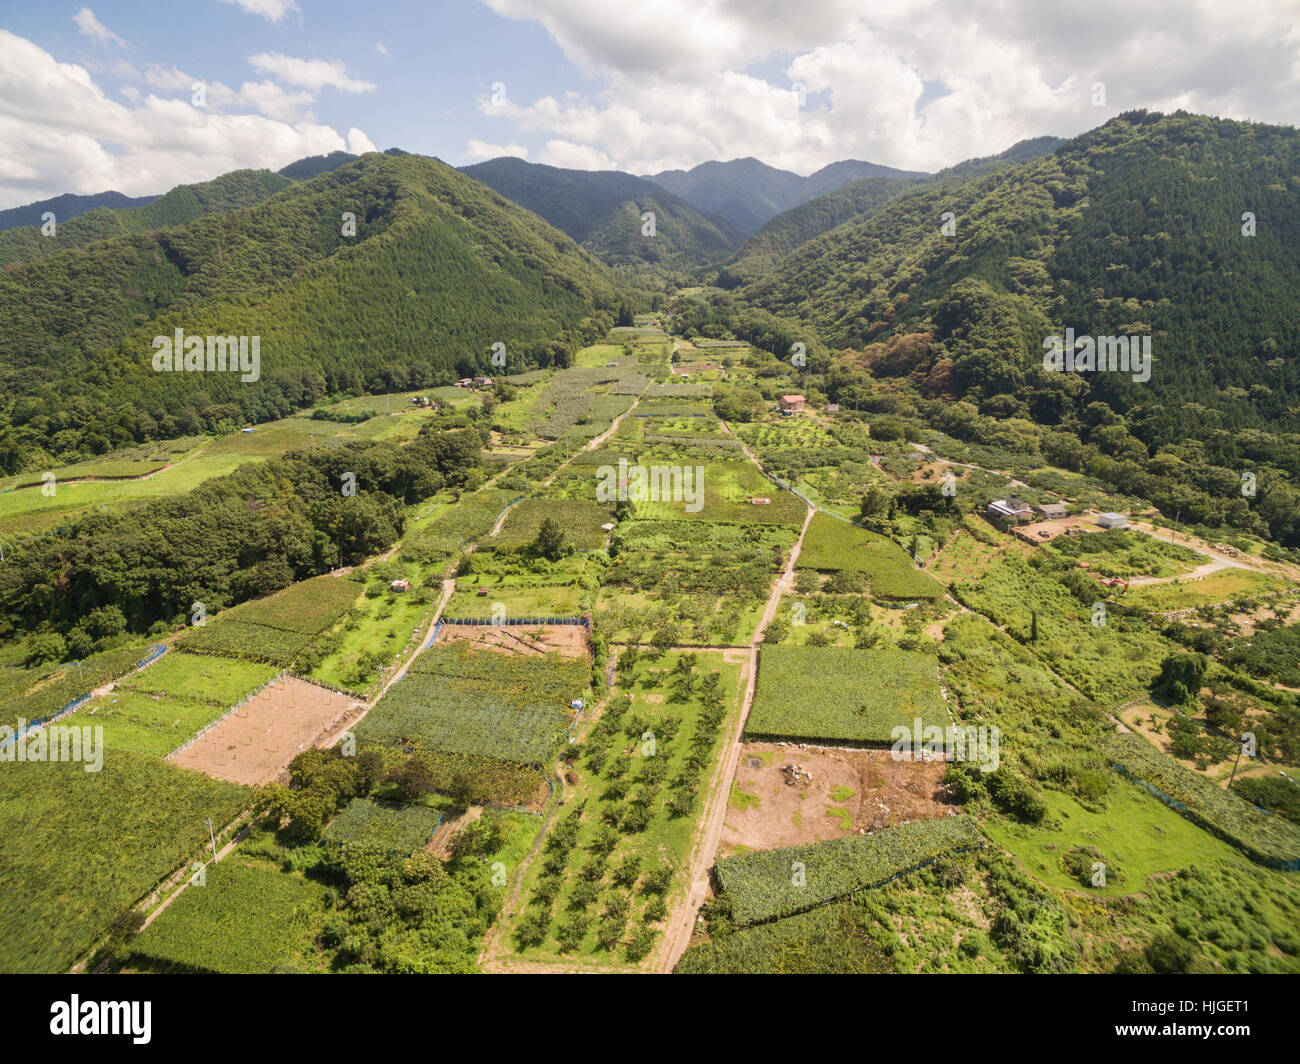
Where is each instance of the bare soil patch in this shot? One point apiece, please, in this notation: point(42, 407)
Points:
point(527, 640)
point(254, 744)
point(884, 792)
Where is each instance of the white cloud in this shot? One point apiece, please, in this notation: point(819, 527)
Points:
point(313, 74)
point(570, 156)
point(63, 134)
point(477, 150)
point(359, 143)
point(272, 10)
point(91, 27)
point(679, 81)
point(168, 80)
point(379, 47)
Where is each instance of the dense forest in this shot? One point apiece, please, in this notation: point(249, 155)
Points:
point(235, 537)
point(853, 202)
point(438, 270)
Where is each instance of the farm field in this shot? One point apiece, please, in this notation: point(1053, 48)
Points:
point(832, 545)
point(758, 886)
point(846, 791)
point(388, 826)
point(155, 710)
point(833, 694)
point(614, 861)
point(256, 742)
point(244, 919)
point(281, 629)
point(494, 715)
point(82, 847)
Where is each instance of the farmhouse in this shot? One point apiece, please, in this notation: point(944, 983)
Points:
point(1011, 510)
point(1112, 520)
point(1050, 510)
point(398, 585)
point(791, 404)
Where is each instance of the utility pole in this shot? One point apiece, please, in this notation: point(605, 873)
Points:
point(213, 838)
point(1234, 766)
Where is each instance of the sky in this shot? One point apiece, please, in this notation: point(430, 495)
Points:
point(142, 95)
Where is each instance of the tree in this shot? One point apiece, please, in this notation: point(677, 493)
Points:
point(414, 779)
point(550, 541)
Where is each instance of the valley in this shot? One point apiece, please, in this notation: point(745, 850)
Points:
point(767, 608)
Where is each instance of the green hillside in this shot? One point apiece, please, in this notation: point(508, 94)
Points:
point(1134, 228)
point(853, 201)
point(184, 203)
point(440, 268)
point(602, 210)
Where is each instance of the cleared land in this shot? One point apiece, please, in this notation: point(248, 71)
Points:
point(849, 791)
point(254, 744)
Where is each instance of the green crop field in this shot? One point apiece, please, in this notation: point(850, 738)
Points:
point(81, 847)
point(831, 545)
point(580, 521)
point(767, 884)
point(841, 695)
point(245, 919)
point(459, 701)
point(282, 629)
point(386, 826)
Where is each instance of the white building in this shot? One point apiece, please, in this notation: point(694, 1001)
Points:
point(1112, 520)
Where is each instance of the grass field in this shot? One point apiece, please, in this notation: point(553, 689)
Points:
point(1135, 835)
point(580, 521)
point(831, 545)
point(1223, 586)
point(245, 919)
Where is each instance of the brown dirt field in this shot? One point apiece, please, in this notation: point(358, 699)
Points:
point(886, 792)
point(569, 639)
point(1034, 532)
point(255, 744)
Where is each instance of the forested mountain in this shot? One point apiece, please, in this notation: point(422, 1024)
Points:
point(794, 227)
point(440, 268)
point(67, 207)
point(746, 193)
point(184, 203)
point(774, 241)
point(1140, 227)
point(602, 211)
point(314, 165)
